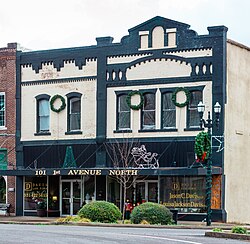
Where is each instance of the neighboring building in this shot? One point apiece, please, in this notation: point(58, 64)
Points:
point(72, 102)
point(7, 122)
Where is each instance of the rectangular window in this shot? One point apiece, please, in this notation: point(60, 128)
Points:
point(2, 109)
point(35, 189)
point(193, 115)
point(168, 111)
point(148, 112)
point(43, 114)
point(123, 113)
point(75, 114)
point(186, 193)
point(3, 159)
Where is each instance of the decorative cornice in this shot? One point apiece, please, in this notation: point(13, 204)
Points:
point(55, 81)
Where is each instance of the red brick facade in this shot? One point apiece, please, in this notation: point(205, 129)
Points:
point(7, 134)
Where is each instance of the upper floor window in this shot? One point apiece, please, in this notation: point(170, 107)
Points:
point(193, 117)
point(74, 111)
point(168, 111)
point(123, 113)
point(2, 109)
point(148, 111)
point(42, 114)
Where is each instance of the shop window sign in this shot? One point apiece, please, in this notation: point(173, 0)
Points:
point(35, 189)
point(188, 194)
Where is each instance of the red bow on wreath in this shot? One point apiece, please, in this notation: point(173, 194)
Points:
point(202, 157)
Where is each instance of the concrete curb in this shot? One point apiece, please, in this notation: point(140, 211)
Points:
point(181, 226)
point(227, 235)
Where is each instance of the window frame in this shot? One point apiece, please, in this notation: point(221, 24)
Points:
point(4, 112)
point(144, 92)
point(120, 130)
point(39, 98)
point(188, 127)
point(164, 91)
point(70, 96)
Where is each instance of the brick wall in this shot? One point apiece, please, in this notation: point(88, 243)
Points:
point(7, 135)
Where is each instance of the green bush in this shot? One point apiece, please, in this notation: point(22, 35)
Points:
point(239, 230)
point(153, 213)
point(100, 211)
point(217, 230)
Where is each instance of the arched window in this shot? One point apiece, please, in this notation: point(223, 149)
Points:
point(43, 113)
point(74, 111)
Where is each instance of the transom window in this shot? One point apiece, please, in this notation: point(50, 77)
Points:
point(193, 115)
point(168, 111)
point(2, 109)
point(123, 113)
point(148, 111)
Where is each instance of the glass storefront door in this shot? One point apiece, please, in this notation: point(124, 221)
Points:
point(146, 191)
point(70, 197)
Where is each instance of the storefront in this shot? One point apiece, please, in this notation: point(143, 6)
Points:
point(65, 191)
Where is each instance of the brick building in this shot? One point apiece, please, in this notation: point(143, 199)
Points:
point(8, 121)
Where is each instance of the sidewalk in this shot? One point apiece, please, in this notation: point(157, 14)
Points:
point(181, 224)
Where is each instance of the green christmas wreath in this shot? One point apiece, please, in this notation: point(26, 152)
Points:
point(187, 93)
point(202, 146)
point(133, 106)
point(52, 101)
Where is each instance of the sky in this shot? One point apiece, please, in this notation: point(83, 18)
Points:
point(52, 24)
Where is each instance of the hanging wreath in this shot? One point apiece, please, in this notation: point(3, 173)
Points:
point(202, 146)
point(52, 101)
point(187, 93)
point(133, 106)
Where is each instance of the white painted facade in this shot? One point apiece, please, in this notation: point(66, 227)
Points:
point(135, 114)
point(237, 134)
point(58, 121)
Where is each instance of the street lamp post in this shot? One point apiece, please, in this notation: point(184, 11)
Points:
point(209, 124)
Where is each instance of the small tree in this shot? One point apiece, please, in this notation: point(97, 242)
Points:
point(119, 153)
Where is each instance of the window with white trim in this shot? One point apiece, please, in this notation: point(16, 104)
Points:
point(148, 111)
point(123, 113)
point(168, 111)
point(43, 115)
point(192, 113)
point(74, 114)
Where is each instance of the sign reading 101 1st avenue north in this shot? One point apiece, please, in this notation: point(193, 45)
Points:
point(183, 191)
point(112, 172)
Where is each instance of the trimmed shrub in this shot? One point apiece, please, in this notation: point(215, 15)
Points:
point(100, 211)
point(239, 230)
point(153, 213)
